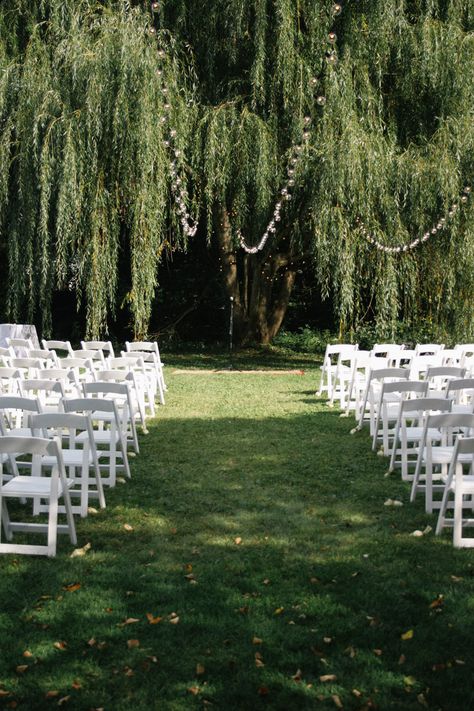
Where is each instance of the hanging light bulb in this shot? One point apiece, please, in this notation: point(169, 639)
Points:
point(152, 30)
point(307, 120)
point(332, 37)
point(155, 6)
point(434, 231)
point(313, 81)
point(464, 198)
point(321, 100)
point(467, 189)
point(331, 58)
point(336, 9)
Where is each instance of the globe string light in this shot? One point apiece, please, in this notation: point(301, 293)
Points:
point(176, 167)
point(438, 227)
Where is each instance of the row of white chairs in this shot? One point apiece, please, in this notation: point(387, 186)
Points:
point(62, 440)
point(345, 367)
point(425, 424)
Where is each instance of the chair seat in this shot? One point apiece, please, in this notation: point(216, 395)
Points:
point(443, 455)
point(100, 437)
point(71, 457)
point(414, 434)
point(467, 485)
point(24, 486)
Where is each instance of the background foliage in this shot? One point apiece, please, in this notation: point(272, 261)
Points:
point(84, 175)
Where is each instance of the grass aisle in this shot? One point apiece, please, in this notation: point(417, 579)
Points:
point(262, 572)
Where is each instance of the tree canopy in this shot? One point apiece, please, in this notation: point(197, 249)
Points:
point(86, 187)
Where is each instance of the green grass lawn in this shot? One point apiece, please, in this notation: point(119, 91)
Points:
point(262, 571)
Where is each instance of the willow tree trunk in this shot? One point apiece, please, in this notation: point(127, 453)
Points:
point(260, 285)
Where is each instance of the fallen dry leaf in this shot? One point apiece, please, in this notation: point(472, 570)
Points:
point(327, 677)
point(188, 567)
point(257, 640)
point(27, 654)
point(92, 642)
point(402, 659)
point(72, 587)
point(266, 581)
point(327, 640)
point(456, 579)
point(127, 527)
point(63, 700)
point(132, 643)
point(194, 690)
point(409, 680)
point(128, 621)
point(259, 662)
point(407, 635)
point(76, 684)
point(174, 619)
point(422, 700)
point(153, 620)
point(52, 694)
point(438, 602)
point(337, 701)
point(60, 645)
point(79, 552)
point(378, 652)
point(200, 669)
point(298, 675)
point(21, 668)
point(92, 510)
point(279, 610)
point(357, 693)
point(263, 691)
point(4, 693)
point(237, 541)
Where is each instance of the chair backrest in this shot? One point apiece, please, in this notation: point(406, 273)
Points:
point(426, 404)
point(146, 356)
point(100, 387)
point(404, 386)
point(49, 392)
point(89, 404)
point(9, 381)
point(29, 445)
point(15, 411)
point(428, 348)
point(387, 349)
point(20, 343)
point(98, 346)
point(446, 371)
point(464, 445)
point(30, 365)
point(64, 346)
point(45, 355)
point(60, 423)
point(393, 373)
point(450, 420)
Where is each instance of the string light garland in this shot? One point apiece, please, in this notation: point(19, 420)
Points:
point(296, 152)
point(176, 167)
point(429, 234)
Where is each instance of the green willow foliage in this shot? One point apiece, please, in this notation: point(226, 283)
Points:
point(84, 176)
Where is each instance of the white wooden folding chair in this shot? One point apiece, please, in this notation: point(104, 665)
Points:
point(48, 359)
point(109, 431)
point(462, 393)
point(409, 430)
point(368, 410)
point(20, 345)
point(434, 458)
point(66, 376)
point(363, 363)
point(15, 413)
point(97, 356)
point(149, 347)
point(79, 456)
point(37, 486)
point(137, 410)
point(152, 369)
point(388, 407)
point(83, 368)
point(135, 364)
point(120, 393)
point(328, 369)
point(459, 494)
point(28, 367)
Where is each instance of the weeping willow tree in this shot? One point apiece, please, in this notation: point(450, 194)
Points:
point(84, 178)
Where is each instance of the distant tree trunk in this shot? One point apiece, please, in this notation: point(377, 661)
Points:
point(259, 284)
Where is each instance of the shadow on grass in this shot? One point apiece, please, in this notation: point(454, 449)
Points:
point(266, 551)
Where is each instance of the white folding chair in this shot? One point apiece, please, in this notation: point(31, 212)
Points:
point(149, 347)
point(120, 393)
point(83, 368)
point(409, 430)
point(145, 387)
point(108, 430)
point(36, 486)
point(79, 456)
point(460, 487)
point(434, 459)
point(372, 393)
point(66, 376)
point(15, 413)
point(388, 407)
point(462, 392)
point(28, 367)
point(363, 363)
point(20, 345)
point(48, 359)
point(152, 369)
point(137, 411)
